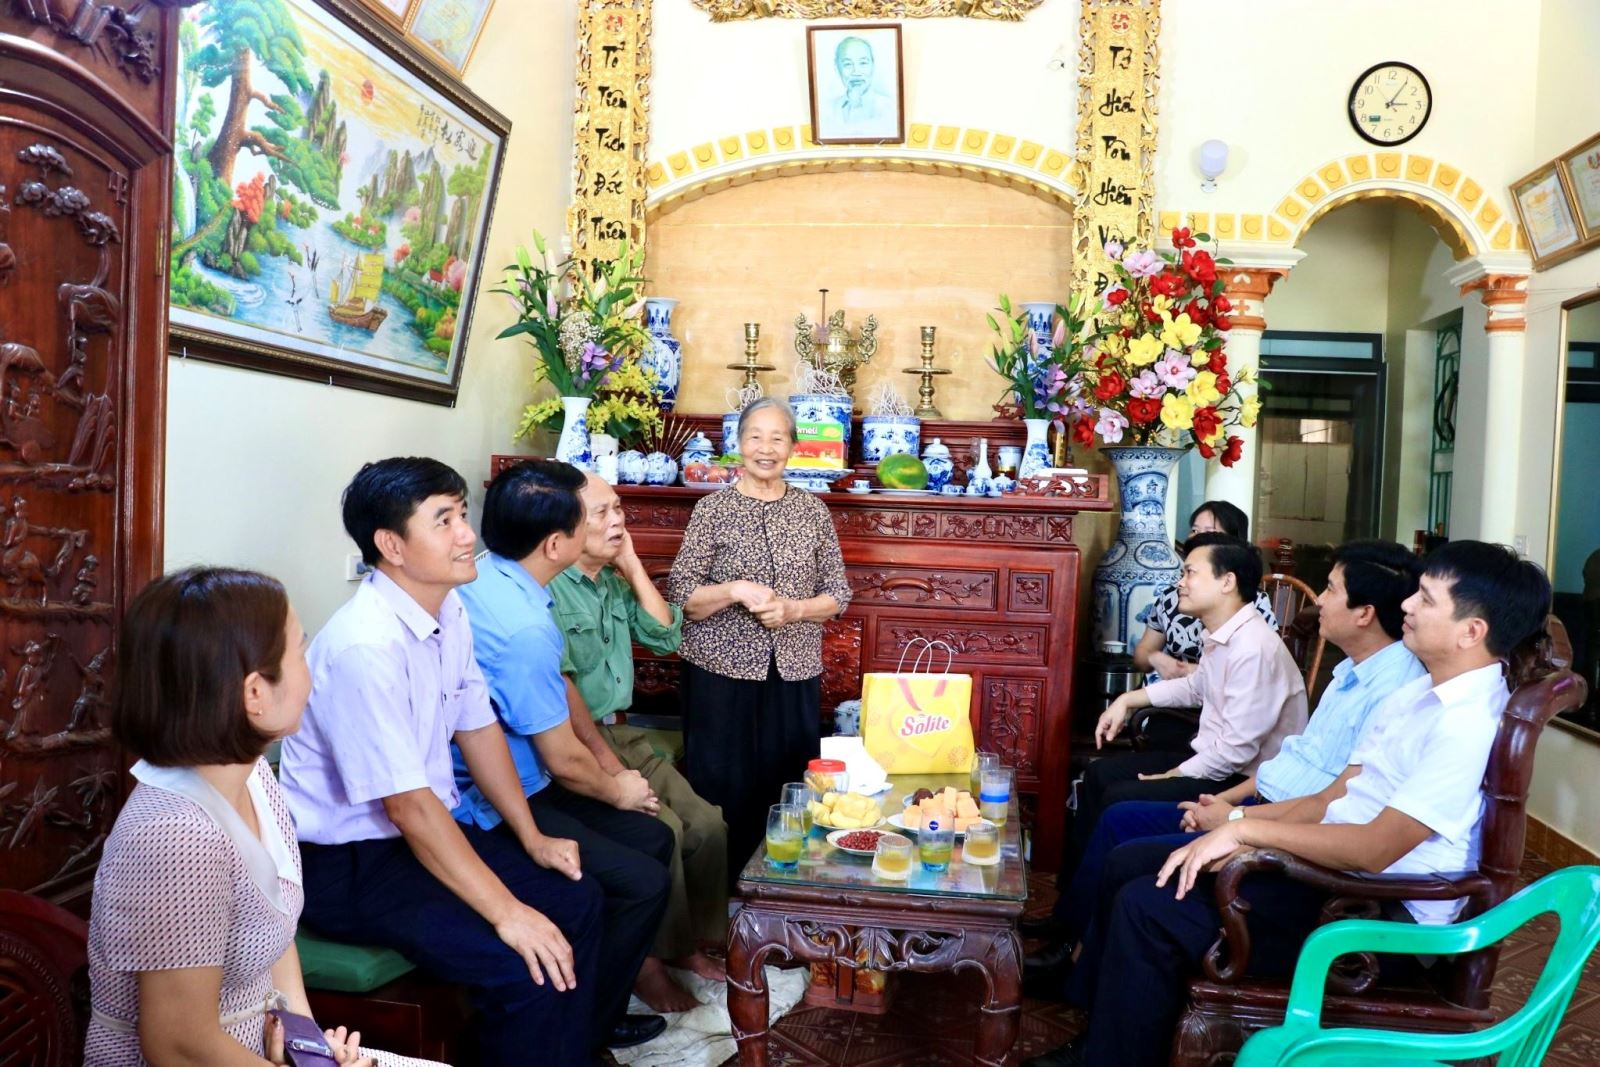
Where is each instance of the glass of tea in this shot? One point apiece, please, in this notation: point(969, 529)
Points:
point(799, 795)
point(786, 837)
point(893, 858)
point(980, 762)
point(935, 842)
point(982, 844)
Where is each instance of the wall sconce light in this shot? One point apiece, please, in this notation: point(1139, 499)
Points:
point(1212, 162)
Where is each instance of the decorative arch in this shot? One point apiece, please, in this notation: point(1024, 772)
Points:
point(978, 155)
point(1468, 220)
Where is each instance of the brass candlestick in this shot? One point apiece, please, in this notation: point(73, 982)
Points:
point(752, 341)
point(926, 410)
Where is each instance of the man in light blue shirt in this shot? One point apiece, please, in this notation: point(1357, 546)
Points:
point(1359, 613)
point(533, 525)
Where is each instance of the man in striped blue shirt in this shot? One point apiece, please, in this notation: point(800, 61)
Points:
point(1359, 613)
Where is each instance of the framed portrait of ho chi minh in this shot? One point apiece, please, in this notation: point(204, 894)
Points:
point(857, 84)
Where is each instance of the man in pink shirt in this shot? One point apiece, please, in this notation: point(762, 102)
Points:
point(1248, 688)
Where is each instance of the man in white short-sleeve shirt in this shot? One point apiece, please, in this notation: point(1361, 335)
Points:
point(1409, 802)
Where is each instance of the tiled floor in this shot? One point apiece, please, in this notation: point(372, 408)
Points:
point(934, 1022)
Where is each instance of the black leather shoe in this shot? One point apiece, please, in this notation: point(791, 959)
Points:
point(1048, 928)
point(1049, 958)
point(1068, 1055)
point(635, 1030)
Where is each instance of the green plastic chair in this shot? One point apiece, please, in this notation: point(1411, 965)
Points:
point(1572, 894)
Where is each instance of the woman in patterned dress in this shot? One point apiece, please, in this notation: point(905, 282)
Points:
point(758, 573)
point(191, 937)
point(1170, 645)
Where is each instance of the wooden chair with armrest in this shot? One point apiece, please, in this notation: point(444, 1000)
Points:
point(1295, 606)
point(1226, 1005)
point(44, 982)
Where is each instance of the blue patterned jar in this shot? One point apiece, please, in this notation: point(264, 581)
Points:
point(1140, 564)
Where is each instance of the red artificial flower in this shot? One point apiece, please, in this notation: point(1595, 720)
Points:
point(1219, 362)
point(1232, 451)
point(1126, 332)
point(1083, 431)
point(1224, 384)
point(1221, 304)
point(1144, 410)
point(1181, 238)
point(1200, 267)
point(1205, 450)
point(1101, 360)
point(1116, 296)
point(1150, 311)
point(1223, 323)
point(1197, 314)
point(1111, 384)
point(1206, 422)
point(1168, 283)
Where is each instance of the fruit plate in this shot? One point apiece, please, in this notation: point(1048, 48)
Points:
point(846, 829)
point(838, 836)
point(898, 821)
point(906, 492)
point(706, 485)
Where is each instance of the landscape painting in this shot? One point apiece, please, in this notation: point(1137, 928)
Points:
point(330, 202)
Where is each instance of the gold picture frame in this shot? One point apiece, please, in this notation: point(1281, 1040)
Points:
point(1580, 169)
point(1545, 209)
point(395, 12)
point(448, 31)
point(850, 91)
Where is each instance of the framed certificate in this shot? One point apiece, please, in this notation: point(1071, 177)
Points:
point(1581, 169)
point(1547, 216)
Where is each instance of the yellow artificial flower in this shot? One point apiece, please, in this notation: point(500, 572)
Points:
point(1214, 436)
point(1162, 304)
point(1249, 409)
point(1114, 344)
point(1179, 332)
point(1200, 358)
point(1130, 319)
point(1203, 389)
point(1144, 350)
point(1177, 413)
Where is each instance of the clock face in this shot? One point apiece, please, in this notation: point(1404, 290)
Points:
point(1390, 103)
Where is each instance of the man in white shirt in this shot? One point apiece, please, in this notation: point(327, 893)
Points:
point(1409, 802)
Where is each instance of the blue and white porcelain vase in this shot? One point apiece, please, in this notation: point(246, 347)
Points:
point(660, 469)
point(573, 446)
point(1140, 564)
point(697, 450)
point(1036, 453)
point(889, 435)
point(630, 467)
point(663, 360)
point(730, 433)
point(936, 457)
point(1042, 324)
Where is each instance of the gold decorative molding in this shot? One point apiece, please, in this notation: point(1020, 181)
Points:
point(1505, 296)
point(1467, 220)
point(1248, 288)
point(1119, 72)
point(678, 177)
point(738, 10)
point(611, 126)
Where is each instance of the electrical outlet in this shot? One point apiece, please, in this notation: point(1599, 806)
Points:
point(355, 568)
point(1520, 543)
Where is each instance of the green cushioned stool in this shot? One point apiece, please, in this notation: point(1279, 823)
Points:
point(348, 968)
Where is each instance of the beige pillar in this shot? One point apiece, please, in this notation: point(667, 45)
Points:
point(1505, 297)
point(1246, 288)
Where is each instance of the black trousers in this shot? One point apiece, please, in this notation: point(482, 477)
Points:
point(627, 853)
point(743, 740)
point(1144, 945)
point(1114, 779)
point(377, 893)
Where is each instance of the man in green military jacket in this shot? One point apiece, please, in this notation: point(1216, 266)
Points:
point(603, 604)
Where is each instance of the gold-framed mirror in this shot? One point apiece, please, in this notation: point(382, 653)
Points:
point(1574, 548)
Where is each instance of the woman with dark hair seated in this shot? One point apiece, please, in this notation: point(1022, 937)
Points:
point(1170, 646)
point(191, 939)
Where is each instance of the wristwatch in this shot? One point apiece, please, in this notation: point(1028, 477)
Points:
point(1236, 814)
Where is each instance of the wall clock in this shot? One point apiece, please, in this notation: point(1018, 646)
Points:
point(1390, 103)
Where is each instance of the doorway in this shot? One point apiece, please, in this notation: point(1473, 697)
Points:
point(1319, 457)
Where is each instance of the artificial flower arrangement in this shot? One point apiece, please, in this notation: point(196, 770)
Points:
point(1044, 384)
point(1159, 372)
point(587, 337)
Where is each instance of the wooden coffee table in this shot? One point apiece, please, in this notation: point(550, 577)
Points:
point(833, 909)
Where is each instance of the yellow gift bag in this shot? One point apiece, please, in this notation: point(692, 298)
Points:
point(918, 721)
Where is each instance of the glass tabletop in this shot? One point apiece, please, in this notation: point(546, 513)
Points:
point(825, 867)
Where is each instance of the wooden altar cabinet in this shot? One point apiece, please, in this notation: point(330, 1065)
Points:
point(996, 578)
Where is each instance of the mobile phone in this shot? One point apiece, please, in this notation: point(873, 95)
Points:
point(303, 1041)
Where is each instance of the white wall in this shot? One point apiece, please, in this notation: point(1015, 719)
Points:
point(1343, 283)
point(256, 463)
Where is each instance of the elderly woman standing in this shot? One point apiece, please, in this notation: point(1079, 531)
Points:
point(758, 573)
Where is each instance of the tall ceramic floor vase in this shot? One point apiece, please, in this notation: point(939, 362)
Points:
point(573, 447)
point(664, 359)
point(1140, 563)
point(1036, 453)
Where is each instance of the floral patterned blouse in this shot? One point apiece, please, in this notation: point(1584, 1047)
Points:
point(788, 544)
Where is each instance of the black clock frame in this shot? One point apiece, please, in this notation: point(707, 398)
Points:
point(1350, 104)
